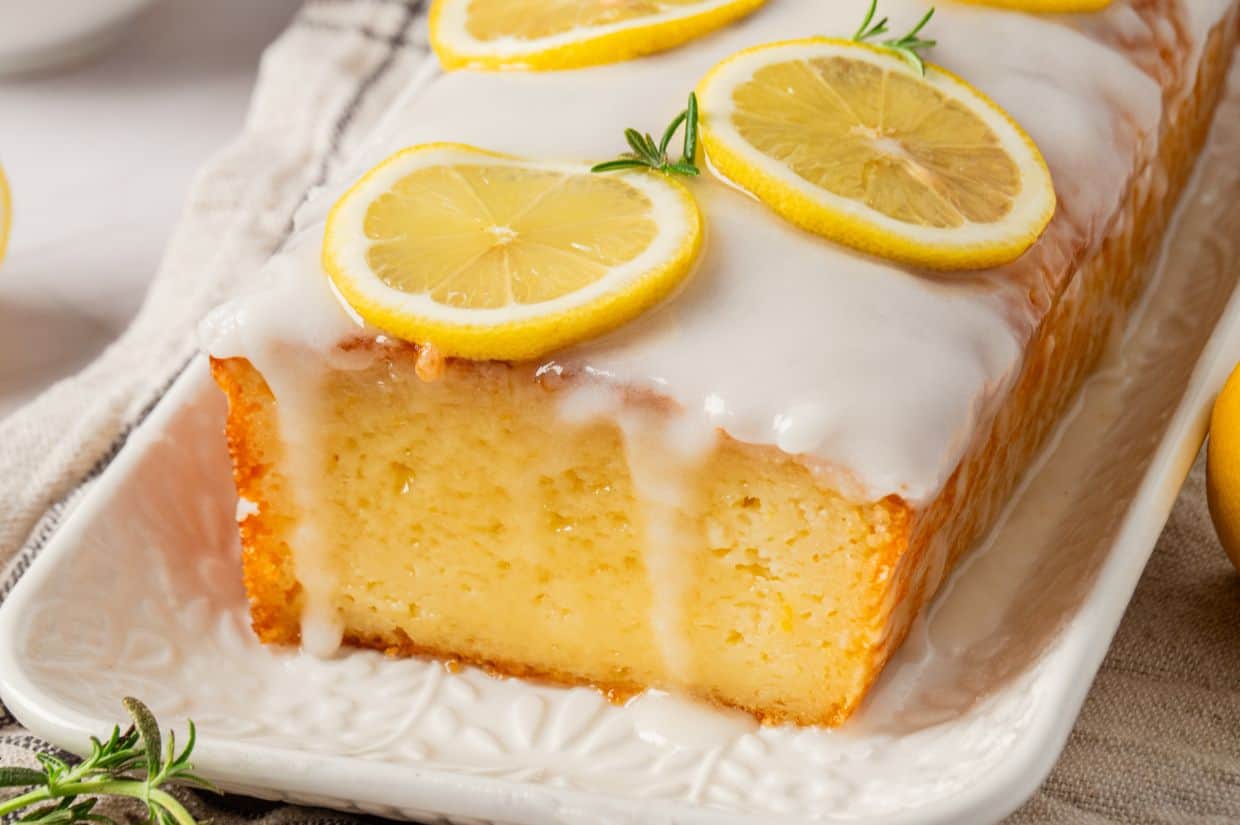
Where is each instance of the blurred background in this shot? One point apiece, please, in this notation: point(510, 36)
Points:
point(100, 148)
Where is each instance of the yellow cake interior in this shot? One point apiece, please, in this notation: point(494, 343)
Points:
point(465, 518)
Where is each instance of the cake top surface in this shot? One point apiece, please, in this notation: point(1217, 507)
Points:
point(781, 337)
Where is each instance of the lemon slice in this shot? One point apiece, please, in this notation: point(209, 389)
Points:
point(488, 256)
point(6, 214)
point(565, 34)
point(845, 140)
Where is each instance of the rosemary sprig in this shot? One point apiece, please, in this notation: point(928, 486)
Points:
point(646, 154)
point(132, 764)
point(908, 48)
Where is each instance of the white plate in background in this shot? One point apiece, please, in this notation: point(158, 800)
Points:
point(41, 34)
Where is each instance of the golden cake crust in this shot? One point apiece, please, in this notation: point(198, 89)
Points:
point(266, 560)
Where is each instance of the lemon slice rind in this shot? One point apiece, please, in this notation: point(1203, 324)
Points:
point(584, 46)
point(518, 331)
point(847, 221)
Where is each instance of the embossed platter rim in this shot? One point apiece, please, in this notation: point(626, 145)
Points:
point(536, 754)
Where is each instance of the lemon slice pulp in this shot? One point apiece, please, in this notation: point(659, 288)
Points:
point(845, 140)
point(487, 256)
point(563, 34)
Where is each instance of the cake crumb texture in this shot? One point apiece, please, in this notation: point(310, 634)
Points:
point(467, 520)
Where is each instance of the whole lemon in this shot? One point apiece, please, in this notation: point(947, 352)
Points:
point(6, 213)
point(1223, 467)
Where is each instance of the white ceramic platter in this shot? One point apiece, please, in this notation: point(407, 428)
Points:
point(42, 34)
point(139, 594)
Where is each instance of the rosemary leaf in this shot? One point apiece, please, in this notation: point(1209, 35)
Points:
point(148, 729)
point(638, 145)
point(620, 163)
point(20, 777)
point(647, 154)
point(651, 147)
point(670, 131)
point(691, 133)
point(908, 48)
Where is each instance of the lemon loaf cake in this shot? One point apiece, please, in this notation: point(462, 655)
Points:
point(749, 492)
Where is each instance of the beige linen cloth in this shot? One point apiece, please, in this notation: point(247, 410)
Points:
point(1159, 737)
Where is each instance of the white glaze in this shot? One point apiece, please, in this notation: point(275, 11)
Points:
point(784, 338)
point(662, 454)
point(246, 508)
point(666, 719)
